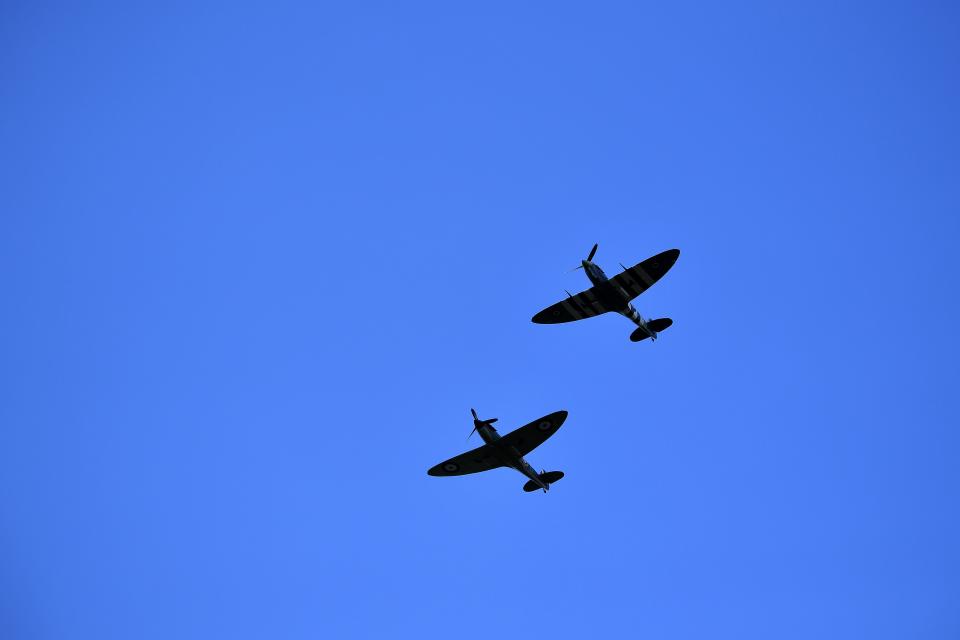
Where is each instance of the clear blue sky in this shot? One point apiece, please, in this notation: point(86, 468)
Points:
point(257, 262)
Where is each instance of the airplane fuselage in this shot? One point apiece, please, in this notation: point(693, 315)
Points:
point(509, 455)
point(613, 298)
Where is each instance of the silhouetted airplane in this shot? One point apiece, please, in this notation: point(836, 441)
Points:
point(506, 451)
point(614, 294)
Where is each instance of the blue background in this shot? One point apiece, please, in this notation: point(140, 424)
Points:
point(258, 261)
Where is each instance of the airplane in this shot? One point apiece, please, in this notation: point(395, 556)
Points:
point(614, 294)
point(506, 451)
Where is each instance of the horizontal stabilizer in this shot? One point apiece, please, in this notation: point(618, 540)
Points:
point(656, 326)
point(659, 324)
point(548, 477)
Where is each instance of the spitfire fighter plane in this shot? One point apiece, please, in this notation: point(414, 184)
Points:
point(506, 451)
point(614, 294)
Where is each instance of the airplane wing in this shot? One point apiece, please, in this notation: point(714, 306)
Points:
point(480, 459)
point(641, 277)
point(530, 436)
point(583, 305)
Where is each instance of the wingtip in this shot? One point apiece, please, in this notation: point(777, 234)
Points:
point(669, 257)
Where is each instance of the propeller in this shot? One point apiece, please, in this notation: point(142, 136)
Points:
point(477, 422)
point(593, 252)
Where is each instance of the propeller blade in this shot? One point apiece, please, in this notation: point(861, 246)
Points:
point(477, 422)
point(592, 252)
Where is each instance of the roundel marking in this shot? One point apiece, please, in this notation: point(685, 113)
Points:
point(450, 467)
point(556, 312)
point(544, 425)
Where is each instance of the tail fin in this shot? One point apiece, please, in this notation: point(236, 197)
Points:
point(547, 477)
